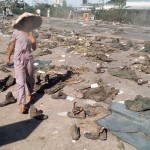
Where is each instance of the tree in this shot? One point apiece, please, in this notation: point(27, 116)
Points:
point(119, 3)
point(64, 3)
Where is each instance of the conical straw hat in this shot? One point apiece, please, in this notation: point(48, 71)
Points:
point(36, 21)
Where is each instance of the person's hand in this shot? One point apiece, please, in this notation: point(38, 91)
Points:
point(7, 62)
point(31, 37)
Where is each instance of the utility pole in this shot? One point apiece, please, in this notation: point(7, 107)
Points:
point(102, 4)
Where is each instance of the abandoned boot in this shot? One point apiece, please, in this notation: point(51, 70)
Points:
point(103, 134)
point(59, 95)
point(41, 117)
point(81, 115)
point(38, 79)
point(75, 132)
point(9, 100)
point(141, 82)
point(4, 70)
point(10, 81)
point(99, 70)
point(34, 113)
point(76, 109)
point(91, 136)
point(77, 112)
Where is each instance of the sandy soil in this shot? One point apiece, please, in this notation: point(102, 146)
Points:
point(22, 133)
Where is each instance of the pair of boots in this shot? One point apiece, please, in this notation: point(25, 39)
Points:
point(9, 100)
point(77, 112)
point(101, 133)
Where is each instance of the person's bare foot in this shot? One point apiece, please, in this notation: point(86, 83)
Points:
point(22, 108)
point(28, 98)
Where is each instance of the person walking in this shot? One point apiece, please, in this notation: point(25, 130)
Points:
point(22, 42)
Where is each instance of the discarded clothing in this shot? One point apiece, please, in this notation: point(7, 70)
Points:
point(125, 73)
point(127, 125)
point(38, 64)
point(94, 110)
point(103, 93)
point(138, 104)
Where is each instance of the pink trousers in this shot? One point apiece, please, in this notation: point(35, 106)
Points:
point(24, 73)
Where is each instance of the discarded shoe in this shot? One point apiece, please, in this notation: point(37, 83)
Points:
point(103, 135)
point(38, 79)
point(99, 134)
point(4, 70)
point(9, 100)
point(99, 70)
point(34, 113)
point(10, 81)
point(77, 112)
point(138, 104)
point(141, 82)
point(91, 136)
point(55, 88)
point(59, 95)
point(75, 132)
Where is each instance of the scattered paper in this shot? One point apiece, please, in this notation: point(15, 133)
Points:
point(142, 48)
point(120, 92)
point(73, 141)
point(69, 98)
point(90, 102)
point(95, 85)
point(141, 57)
point(121, 102)
point(76, 53)
point(62, 114)
point(55, 132)
point(40, 71)
point(98, 65)
point(63, 55)
point(36, 64)
point(61, 60)
point(107, 55)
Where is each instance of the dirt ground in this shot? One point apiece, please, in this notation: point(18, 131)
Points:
point(22, 133)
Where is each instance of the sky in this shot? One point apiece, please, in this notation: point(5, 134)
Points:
point(74, 3)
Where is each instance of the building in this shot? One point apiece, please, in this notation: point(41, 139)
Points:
point(138, 4)
point(58, 2)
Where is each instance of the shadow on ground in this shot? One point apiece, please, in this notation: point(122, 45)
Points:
point(17, 131)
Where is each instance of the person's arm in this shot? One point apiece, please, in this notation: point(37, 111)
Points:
point(10, 50)
point(32, 40)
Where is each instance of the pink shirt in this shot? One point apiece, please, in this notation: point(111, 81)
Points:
point(22, 46)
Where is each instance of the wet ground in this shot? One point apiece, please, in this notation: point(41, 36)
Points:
point(19, 132)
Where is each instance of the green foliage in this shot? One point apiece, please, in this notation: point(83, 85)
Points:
point(93, 11)
point(64, 3)
point(55, 11)
point(119, 3)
